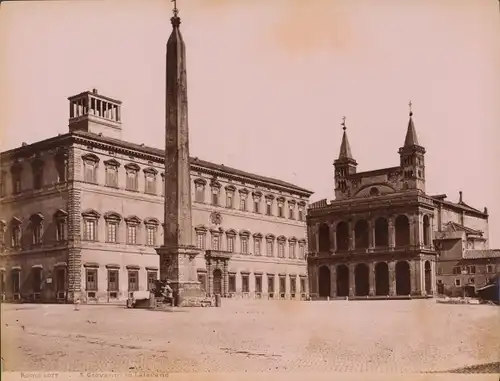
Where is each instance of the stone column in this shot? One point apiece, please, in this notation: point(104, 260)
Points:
point(333, 238)
point(431, 232)
point(352, 280)
point(433, 277)
point(333, 281)
point(316, 237)
point(392, 233)
point(210, 285)
point(225, 283)
point(371, 233)
point(392, 278)
point(420, 230)
point(415, 276)
point(412, 231)
point(352, 237)
point(371, 278)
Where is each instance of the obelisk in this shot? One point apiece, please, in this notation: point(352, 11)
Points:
point(177, 255)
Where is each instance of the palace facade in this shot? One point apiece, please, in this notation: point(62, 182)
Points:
point(81, 215)
point(384, 236)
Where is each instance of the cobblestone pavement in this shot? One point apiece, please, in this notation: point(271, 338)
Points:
point(335, 336)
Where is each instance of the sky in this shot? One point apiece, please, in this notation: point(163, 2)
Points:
point(269, 82)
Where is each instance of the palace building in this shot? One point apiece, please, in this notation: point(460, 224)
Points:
point(384, 236)
point(82, 212)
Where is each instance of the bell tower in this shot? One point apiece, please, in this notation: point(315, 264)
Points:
point(344, 166)
point(412, 159)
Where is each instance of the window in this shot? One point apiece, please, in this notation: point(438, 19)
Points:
point(61, 160)
point(113, 284)
point(202, 278)
point(199, 190)
point(302, 285)
point(215, 241)
point(229, 198)
point(16, 281)
point(293, 285)
point(439, 271)
point(282, 285)
point(133, 280)
point(302, 250)
point(91, 281)
point(90, 230)
point(269, 205)
point(456, 270)
point(150, 180)
point(37, 279)
point(243, 202)
point(230, 243)
point(200, 240)
point(163, 185)
point(245, 283)
point(60, 229)
point(281, 249)
point(232, 283)
point(489, 269)
point(258, 283)
point(132, 234)
point(3, 183)
point(37, 169)
point(270, 284)
point(258, 244)
point(151, 235)
point(36, 224)
point(3, 226)
point(291, 250)
point(457, 282)
point(256, 204)
point(16, 235)
point(291, 208)
point(215, 197)
point(471, 280)
point(280, 209)
point(132, 177)
point(301, 213)
point(244, 245)
point(112, 229)
point(90, 168)
point(152, 277)
point(270, 248)
point(16, 178)
point(112, 173)
point(472, 269)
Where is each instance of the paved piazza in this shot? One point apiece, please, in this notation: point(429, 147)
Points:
point(341, 336)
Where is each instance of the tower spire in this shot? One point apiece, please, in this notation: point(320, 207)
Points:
point(411, 133)
point(345, 147)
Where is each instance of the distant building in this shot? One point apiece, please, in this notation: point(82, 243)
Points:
point(81, 214)
point(384, 236)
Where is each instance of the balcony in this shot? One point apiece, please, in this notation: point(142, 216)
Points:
point(218, 254)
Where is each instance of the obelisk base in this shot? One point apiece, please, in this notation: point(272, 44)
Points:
point(177, 264)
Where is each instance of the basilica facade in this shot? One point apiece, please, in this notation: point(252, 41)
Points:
point(383, 235)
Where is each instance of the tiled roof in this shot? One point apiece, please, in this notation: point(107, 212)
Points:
point(459, 205)
point(481, 254)
point(458, 227)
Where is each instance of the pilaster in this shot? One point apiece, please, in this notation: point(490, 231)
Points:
point(371, 233)
point(392, 278)
point(352, 280)
point(392, 233)
point(352, 238)
point(316, 237)
point(225, 285)
point(371, 278)
point(333, 238)
point(333, 281)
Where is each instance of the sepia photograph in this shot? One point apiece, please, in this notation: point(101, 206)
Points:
point(250, 188)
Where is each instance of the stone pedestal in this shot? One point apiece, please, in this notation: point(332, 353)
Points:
point(178, 266)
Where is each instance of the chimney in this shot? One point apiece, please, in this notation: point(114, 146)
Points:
point(460, 198)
